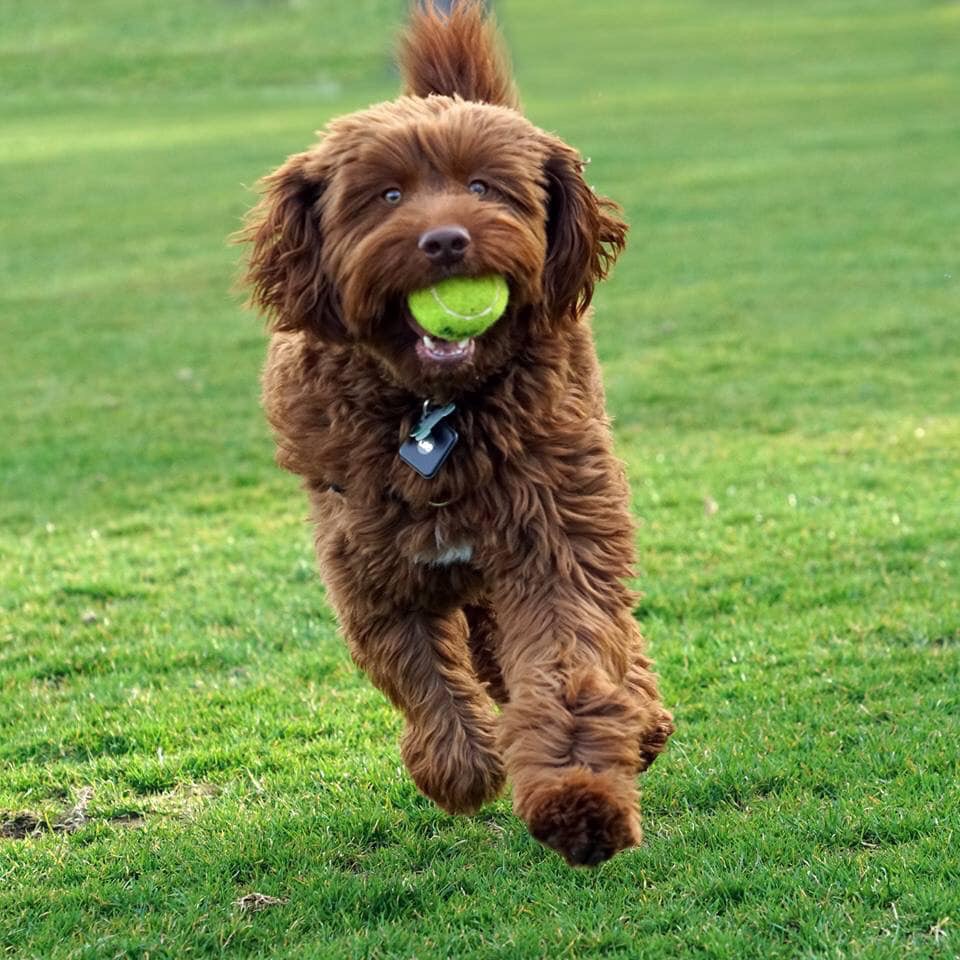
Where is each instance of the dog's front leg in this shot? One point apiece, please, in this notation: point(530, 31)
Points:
point(584, 713)
point(420, 660)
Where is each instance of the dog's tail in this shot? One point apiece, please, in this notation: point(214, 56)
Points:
point(459, 52)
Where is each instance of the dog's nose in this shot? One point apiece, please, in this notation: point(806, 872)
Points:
point(444, 245)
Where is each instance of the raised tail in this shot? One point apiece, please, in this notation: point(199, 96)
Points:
point(456, 53)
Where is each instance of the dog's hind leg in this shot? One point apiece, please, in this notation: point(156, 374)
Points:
point(420, 660)
point(641, 683)
point(483, 646)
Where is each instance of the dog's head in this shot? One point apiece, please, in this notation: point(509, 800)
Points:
point(448, 180)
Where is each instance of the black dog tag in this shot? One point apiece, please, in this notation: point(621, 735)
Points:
point(426, 456)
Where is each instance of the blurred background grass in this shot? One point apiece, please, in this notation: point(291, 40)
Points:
point(780, 345)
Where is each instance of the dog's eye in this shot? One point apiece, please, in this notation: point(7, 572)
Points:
point(477, 187)
point(393, 196)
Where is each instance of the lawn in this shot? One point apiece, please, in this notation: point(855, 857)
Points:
point(179, 723)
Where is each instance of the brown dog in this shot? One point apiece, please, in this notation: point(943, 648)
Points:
point(500, 578)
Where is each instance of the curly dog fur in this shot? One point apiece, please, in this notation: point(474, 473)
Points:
point(488, 603)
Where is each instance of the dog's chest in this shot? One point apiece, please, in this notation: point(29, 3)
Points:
point(445, 556)
point(441, 534)
point(437, 522)
point(443, 518)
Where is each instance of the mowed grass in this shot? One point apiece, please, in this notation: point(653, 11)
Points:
point(781, 349)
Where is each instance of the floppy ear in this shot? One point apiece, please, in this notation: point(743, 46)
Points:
point(285, 271)
point(585, 234)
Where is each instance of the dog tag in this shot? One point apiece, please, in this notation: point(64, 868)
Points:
point(427, 455)
point(430, 419)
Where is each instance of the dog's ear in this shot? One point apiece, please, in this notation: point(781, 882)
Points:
point(285, 269)
point(585, 233)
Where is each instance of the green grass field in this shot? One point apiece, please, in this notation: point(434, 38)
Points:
point(781, 347)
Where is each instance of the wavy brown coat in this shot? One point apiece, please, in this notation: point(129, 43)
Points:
point(488, 603)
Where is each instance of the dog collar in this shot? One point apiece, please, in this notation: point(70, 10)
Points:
point(430, 441)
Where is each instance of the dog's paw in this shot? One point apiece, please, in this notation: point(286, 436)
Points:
point(654, 740)
point(459, 774)
point(586, 817)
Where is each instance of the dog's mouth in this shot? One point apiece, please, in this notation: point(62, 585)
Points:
point(435, 349)
point(445, 351)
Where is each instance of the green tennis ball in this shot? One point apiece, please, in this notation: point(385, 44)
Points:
point(460, 306)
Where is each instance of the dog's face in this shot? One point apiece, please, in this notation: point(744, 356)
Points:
point(407, 193)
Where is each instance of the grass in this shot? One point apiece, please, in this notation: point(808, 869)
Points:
point(780, 345)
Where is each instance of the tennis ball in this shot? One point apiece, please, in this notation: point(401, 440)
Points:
point(460, 306)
